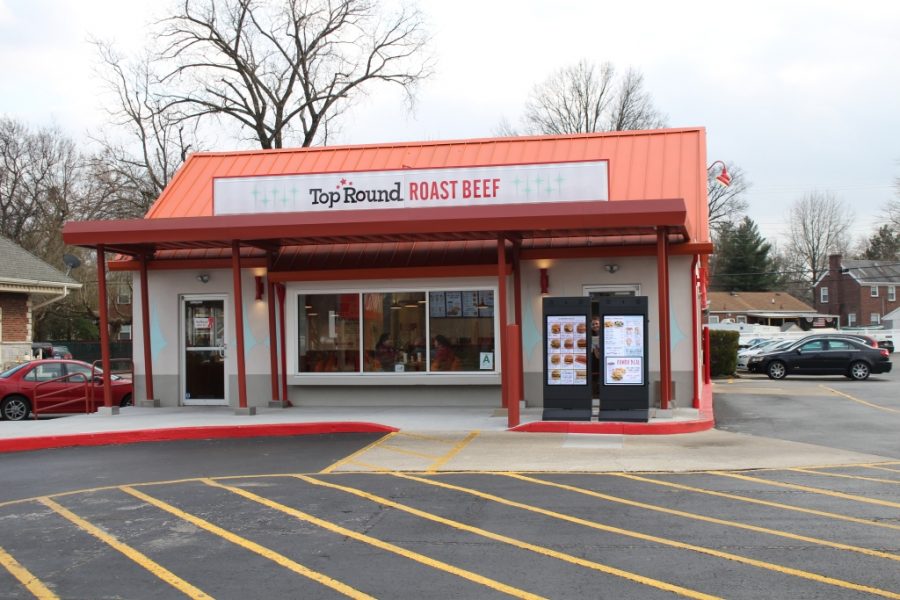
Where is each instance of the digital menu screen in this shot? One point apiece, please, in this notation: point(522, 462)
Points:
point(567, 350)
point(623, 349)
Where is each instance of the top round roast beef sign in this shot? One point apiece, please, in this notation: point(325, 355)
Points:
point(413, 188)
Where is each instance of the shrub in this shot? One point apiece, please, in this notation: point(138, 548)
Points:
point(723, 348)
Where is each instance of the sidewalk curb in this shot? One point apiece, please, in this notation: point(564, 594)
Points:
point(188, 433)
point(617, 427)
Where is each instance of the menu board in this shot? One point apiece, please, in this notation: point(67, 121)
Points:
point(470, 304)
point(567, 348)
point(486, 303)
point(454, 304)
point(623, 349)
point(436, 305)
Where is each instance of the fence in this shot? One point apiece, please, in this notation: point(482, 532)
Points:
point(90, 351)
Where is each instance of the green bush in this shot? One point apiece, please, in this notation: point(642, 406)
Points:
point(723, 348)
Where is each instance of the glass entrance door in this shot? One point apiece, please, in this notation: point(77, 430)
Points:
point(204, 351)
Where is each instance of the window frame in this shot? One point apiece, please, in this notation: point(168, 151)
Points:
point(823, 294)
point(892, 293)
point(874, 318)
point(361, 377)
point(873, 291)
point(851, 319)
point(713, 319)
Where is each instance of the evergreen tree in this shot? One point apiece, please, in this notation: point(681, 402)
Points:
point(884, 245)
point(743, 262)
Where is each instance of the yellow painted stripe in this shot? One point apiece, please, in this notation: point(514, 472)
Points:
point(420, 436)
point(800, 509)
point(662, 585)
point(400, 450)
point(359, 452)
point(31, 583)
point(659, 540)
point(849, 397)
point(880, 468)
point(699, 517)
point(812, 490)
point(249, 545)
point(382, 545)
point(139, 558)
point(453, 452)
point(845, 476)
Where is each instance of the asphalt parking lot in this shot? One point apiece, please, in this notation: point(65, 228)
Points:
point(295, 527)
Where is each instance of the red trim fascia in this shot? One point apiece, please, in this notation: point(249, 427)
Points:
point(190, 263)
point(386, 273)
point(436, 221)
point(190, 433)
point(615, 251)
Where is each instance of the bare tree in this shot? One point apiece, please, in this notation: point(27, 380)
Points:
point(819, 225)
point(284, 70)
point(892, 210)
point(726, 203)
point(585, 97)
point(132, 174)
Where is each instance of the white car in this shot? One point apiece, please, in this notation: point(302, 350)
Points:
point(743, 356)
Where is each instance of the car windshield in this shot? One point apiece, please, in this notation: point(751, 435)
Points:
point(13, 370)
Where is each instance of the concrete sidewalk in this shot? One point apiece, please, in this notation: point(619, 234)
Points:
point(442, 432)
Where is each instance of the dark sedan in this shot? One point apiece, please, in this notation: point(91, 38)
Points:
point(823, 355)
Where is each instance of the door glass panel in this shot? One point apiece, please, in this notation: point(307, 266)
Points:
point(204, 356)
point(205, 375)
point(204, 324)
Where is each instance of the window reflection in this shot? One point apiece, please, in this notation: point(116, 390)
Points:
point(329, 333)
point(394, 332)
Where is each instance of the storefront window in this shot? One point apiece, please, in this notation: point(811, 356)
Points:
point(394, 332)
point(328, 328)
point(399, 332)
point(461, 325)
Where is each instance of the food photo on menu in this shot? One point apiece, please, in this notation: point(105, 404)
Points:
point(566, 350)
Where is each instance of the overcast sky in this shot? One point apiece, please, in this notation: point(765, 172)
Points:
point(802, 95)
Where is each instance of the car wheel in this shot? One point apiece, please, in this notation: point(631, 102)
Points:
point(776, 370)
point(126, 400)
point(15, 408)
point(859, 371)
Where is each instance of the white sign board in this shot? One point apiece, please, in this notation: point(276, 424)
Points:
point(413, 188)
point(623, 349)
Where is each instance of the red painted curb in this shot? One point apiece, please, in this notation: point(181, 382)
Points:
point(188, 433)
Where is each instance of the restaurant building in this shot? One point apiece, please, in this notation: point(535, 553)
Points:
point(408, 273)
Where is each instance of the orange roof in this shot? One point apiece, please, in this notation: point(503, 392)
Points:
point(643, 165)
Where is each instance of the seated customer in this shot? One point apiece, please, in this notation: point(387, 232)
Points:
point(442, 357)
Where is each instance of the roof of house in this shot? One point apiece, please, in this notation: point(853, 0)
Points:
point(868, 272)
point(655, 179)
point(756, 302)
point(20, 267)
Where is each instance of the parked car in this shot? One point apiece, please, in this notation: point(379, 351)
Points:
point(47, 350)
point(822, 355)
point(743, 356)
point(59, 380)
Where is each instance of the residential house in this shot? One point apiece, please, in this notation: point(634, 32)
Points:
point(861, 292)
point(26, 284)
point(778, 309)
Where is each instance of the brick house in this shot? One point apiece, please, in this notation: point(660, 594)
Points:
point(764, 308)
point(861, 292)
point(26, 283)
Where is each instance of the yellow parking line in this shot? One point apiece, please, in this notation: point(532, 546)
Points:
point(427, 438)
point(249, 545)
point(844, 476)
point(140, 558)
point(655, 583)
point(453, 452)
point(361, 537)
point(804, 488)
point(880, 468)
point(848, 396)
point(659, 540)
point(400, 450)
point(790, 507)
point(699, 517)
point(359, 452)
point(31, 583)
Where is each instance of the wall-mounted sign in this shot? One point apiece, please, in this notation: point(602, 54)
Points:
point(413, 188)
point(203, 322)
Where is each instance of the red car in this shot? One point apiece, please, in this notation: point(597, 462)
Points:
point(62, 386)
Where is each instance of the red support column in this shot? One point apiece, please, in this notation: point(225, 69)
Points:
point(707, 367)
point(517, 302)
point(273, 339)
point(239, 322)
point(665, 359)
point(280, 290)
point(514, 363)
point(104, 325)
point(501, 314)
point(145, 324)
point(695, 332)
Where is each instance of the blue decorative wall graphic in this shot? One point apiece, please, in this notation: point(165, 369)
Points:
point(531, 337)
point(158, 341)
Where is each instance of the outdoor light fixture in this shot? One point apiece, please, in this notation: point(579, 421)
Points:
point(611, 268)
point(203, 277)
point(545, 282)
point(724, 178)
point(260, 288)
